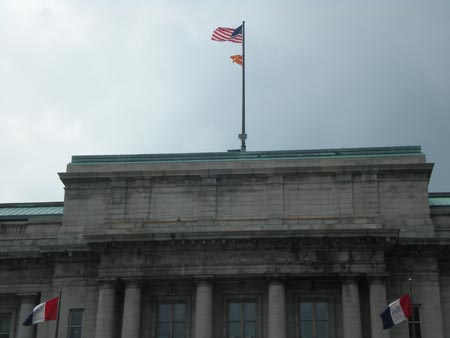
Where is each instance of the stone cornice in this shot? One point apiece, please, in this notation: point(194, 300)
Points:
point(107, 176)
point(362, 235)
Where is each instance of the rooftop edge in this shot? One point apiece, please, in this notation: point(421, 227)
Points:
point(233, 155)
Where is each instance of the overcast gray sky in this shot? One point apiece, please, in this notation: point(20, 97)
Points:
point(82, 77)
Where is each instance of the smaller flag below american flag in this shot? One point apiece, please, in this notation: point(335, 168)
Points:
point(227, 34)
point(237, 59)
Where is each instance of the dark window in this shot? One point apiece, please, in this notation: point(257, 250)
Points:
point(172, 320)
point(5, 325)
point(241, 320)
point(75, 323)
point(414, 323)
point(314, 320)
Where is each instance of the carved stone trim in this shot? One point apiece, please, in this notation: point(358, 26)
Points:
point(28, 297)
point(133, 282)
point(107, 283)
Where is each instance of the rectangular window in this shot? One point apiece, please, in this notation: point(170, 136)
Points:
point(172, 320)
point(414, 323)
point(314, 319)
point(5, 325)
point(75, 323)
point(241, 320)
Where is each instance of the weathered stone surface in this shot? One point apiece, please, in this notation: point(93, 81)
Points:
point(271, 231)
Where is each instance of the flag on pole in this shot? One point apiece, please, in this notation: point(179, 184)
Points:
point(227, 34)
point(237, 59)
point(396, 312)
point(43, 312)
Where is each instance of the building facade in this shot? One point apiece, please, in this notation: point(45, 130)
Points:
point(278, 244)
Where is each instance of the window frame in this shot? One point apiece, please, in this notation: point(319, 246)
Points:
point(172, 302)
point(9, 314)
point(69, 324)
point(416, 322)
point(316, 299)
point(242, 320)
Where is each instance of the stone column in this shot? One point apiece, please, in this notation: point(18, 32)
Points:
point(378, 301)
point(277, 309)
point(204, 308)
point(351, 313)
point(104, 326)
point(131, 322)
point(27, 303)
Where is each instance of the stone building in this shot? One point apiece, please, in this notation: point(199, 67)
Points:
point(276, 244)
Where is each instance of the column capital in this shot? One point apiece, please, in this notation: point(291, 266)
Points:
point(278, 278)
point(133, 282)
point(28, 297)
point(204, 279)
point(107, 283)
point(349, 278)
point(377, 278)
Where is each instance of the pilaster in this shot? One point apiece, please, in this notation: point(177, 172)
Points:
point(204, 307)
point(27, 303)
point(104, 327)
point(277, 308)
point(131, 321)
point(378, 301)
point(351, 311)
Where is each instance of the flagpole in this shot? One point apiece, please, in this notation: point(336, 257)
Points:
point(412, 306)
point(57, 317)
point(243, 135)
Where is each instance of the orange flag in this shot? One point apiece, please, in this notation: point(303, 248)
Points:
point(237, 59)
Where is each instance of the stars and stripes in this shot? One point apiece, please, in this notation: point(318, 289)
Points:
point(227, 34)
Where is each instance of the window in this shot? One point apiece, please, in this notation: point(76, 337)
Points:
point(241, 320)
point(314, 319)
point(5, 325)
point(172, 320)
point(75, 321)
point(414, 324)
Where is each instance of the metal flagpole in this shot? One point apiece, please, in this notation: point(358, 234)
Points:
point(243, 135)
point(57, 317)
point(412, 306)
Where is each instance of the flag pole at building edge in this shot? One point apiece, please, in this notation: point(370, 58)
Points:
point(57, 318)
point(243, 135)
point(236, 35)
point(412, 307)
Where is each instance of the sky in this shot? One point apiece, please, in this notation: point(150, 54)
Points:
point(82, 77)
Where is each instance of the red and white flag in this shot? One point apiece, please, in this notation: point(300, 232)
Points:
point(397, 312)
point(43, 312)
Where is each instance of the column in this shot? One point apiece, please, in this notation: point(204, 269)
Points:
point(104, 326)
point(27, 303)
point(351, 313)
point(131, 322)
point(378, 301)
point(204, 308)
point(277, 309)
point(426, 292)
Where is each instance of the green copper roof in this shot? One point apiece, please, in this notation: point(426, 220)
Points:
point(24, 210)
point(439, 199)
point(248, 155)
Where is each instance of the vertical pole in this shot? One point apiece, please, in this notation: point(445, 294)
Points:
point(57, 317)
point(412, 306)
point(243, 135)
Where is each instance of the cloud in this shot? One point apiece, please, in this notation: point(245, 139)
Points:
point(109, 77)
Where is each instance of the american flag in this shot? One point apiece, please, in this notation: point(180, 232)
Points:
point(227, 34)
